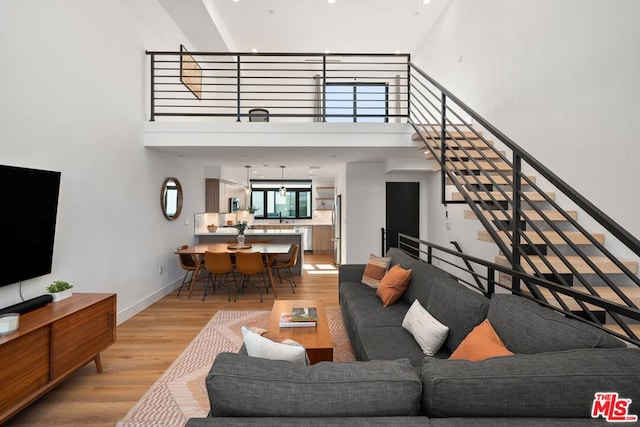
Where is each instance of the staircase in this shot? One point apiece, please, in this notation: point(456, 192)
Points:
point(483, 168)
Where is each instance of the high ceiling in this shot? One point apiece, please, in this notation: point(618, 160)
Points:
point(316, 26)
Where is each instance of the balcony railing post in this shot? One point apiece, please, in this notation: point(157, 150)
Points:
point(153, 89)
point(238, 89)
point(516, 225)
point(408, 87)
point(324, 88)
point(443, 134)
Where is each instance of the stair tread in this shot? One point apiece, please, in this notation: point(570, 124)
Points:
point(604, 264)
point(482, 165)
point(555, 238)
point(499, 180)
point(473, 153)
point(533, 196)
point(435, 134)
point(530, 214)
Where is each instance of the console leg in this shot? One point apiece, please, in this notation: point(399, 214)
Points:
point(98, 363)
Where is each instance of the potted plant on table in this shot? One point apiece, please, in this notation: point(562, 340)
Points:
point(241, 227)
point(59, 290)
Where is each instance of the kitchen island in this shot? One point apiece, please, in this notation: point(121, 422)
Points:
point(228, 235)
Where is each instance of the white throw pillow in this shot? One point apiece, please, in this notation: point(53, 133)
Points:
point(259, 346)
point(426, 329)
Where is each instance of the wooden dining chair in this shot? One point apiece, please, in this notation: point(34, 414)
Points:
point(189, 263)
point(251, 264)
point(287, 265)
point(219, 266)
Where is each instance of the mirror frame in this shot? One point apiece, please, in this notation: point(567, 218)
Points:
point(163, 202)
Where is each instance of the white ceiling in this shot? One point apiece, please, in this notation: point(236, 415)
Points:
point(310, 26)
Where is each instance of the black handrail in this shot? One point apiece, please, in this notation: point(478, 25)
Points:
point(603, 219)
point(465, 164)
point(229, 84)
point(428, 252)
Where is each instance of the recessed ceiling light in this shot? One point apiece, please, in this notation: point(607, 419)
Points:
point(426, 1)
point(327, 51)
point(254, 50)
point(236, 1)
point(331, 1)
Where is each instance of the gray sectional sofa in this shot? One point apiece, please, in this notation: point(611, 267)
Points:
point(551, 380)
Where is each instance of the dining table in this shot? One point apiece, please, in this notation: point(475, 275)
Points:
point(268, 250)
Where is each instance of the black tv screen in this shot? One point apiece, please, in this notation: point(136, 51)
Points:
point(27, 222)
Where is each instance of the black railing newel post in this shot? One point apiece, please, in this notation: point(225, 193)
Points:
point(408, 87)
point(382, 232)
point(491, 281)
point(324, 88)
point(153, 91)
point(516, 226)
point(443, 157)
point(238, 90)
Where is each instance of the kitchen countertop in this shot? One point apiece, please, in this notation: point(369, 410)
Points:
point(231, 231)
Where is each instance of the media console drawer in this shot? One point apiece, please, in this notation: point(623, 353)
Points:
point(50, 344)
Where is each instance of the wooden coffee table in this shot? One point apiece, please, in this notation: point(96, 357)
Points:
point(317, 340)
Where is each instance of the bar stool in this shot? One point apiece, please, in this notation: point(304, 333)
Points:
point(219, 264)
point(249, 264)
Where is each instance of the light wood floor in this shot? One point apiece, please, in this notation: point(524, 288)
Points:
point(148, 343)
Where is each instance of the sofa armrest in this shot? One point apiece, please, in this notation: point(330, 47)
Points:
point(350, 272)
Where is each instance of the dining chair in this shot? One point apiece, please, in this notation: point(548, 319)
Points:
point(251, 264)
point(189, 263)
point(287, 265)
point(219, 265)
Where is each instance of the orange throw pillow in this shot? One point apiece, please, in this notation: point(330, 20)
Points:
point(393, 285)
point(481, 343)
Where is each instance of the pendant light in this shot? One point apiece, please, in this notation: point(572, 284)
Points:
point(283, 189)
point(247, 189)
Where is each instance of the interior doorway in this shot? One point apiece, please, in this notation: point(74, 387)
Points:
point(402, 211)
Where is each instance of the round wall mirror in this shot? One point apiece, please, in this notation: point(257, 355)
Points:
point(171, 198)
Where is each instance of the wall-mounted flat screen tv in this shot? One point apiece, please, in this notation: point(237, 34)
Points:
point(28, 211)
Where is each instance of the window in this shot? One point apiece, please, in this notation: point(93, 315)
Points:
point(270, 204)
point(357, 102)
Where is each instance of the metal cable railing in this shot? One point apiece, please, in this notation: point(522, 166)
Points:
point(291, 86)
point(486, 169)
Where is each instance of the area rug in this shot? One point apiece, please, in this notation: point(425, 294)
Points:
point(180, 394)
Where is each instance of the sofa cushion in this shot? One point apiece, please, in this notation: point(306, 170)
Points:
point(480, 344)
point(427, 331)
point(389, 343)
point(393, 285)
point(244, 386)
point(458, 307)
point(527, 327)
point(559, 384)
point(417, 421)
point(422, 276)
point(375, 270)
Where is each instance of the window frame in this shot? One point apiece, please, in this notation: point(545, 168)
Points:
point(275, 189)
point(354, 99)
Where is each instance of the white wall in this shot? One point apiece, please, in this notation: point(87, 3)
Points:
point(73, 100)
point(558, 77)
point(363, 211)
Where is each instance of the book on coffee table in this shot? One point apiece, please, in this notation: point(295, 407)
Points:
point(304, 314)
point(287, 322)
